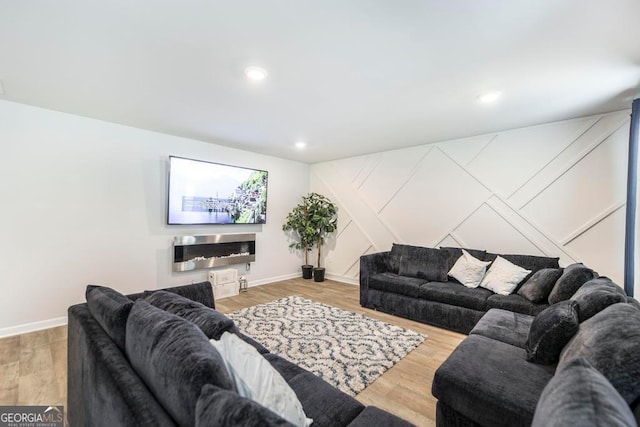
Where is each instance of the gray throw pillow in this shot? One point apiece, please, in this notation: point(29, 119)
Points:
point(218, 407)
point(212, 322)
point(610, 341)
point(578, 395)
point(572, 278)
point(174, 359)
point(538, 287)
point(550, 331)
point(596, 295)
point(634, 302)
point(425, 263)
point(110, 309)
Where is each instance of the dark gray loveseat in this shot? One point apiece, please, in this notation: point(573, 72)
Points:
point(412, 282)
point(146, 360)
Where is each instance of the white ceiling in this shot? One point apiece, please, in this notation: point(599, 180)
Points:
point(349, 77)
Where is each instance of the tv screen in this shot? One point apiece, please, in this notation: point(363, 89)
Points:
point(211, 193)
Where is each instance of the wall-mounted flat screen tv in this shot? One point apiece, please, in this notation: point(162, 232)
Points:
point(212, 193)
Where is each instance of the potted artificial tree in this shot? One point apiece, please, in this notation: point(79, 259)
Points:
point(322, 215)
point(301, 231)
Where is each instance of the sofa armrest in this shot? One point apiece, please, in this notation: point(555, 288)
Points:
point(370, 265)
point(102, 387)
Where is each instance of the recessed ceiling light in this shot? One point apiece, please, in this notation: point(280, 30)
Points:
point(255, 74)
point(300, 145)
point(489, 97)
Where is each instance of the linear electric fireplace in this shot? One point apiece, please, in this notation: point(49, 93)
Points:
point(194, 252)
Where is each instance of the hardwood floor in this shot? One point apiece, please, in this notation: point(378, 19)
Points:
point(33, 367)
point(405, 389)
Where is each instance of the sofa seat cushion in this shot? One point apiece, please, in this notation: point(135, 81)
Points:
point(174, 359)
point(504, 326)
point(323, 403)
point(491, 382)
point(579, 395)
point(515, 303)
point(390, 282)
point(610, 342)
point(453, 293)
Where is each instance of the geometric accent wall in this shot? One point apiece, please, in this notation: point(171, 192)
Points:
point(557, 189)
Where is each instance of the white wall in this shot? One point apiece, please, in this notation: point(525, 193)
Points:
point(557, 189)
point(83, 201)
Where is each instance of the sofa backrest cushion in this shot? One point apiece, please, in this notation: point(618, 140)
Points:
point(596, 295)
point(538, 287)
point(219, 407)
point(579, 395)
point(110, 309)
point(610, 341)
point(453, 254)
point(550, 331)
point(201, 292)
point(425, 263)
point(572, 278)
point(174, 358)
point(529, 262)
point(212, 322)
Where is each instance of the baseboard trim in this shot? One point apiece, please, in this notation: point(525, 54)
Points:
point(343, 279)
point(266, 281)
point(60, 321)
point(32, 327)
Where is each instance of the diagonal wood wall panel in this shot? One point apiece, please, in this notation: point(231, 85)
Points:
point(556, 189)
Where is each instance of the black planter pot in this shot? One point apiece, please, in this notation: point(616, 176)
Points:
point(307, 271)
point(318, 274)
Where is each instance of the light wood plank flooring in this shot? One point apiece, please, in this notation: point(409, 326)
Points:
point(33, 367)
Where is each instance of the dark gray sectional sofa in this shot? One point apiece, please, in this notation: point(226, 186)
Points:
point(412, 282)
point(594, 379)
point(146, 360)
point(563, 349)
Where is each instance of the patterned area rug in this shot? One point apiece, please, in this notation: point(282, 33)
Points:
point(348, 350)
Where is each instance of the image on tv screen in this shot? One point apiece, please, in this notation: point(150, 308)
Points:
point(211, 193)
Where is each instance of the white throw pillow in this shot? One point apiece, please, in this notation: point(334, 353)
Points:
point(257, 380)
point(503, 276)
point(468, 270)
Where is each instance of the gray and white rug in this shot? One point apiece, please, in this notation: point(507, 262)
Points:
point(348, 350)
